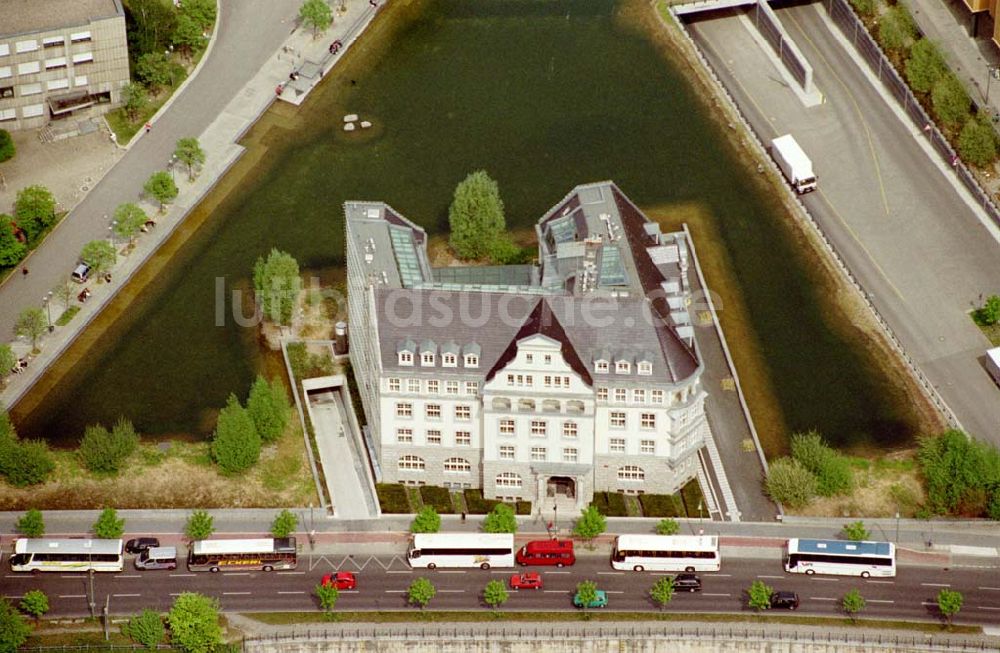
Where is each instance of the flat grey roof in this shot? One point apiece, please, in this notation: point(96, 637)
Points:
point(25, 16)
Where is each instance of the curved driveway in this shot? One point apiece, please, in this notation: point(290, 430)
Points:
point(249, 33)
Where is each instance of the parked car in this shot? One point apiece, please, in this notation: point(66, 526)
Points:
point(342, 580)
point(785, 600)
point(687, 583)
point(531, 580)
point(599, 602)
point(157, 557)
point(140, 544)
point(546, 552)
point(81, 273)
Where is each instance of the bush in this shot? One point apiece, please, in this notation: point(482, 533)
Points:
point(146, 628)
point(108, 526)
point(194, 623)
point(14, 629)
point(925, 66)
point(426, 521)
point(392, 498)
point(25, 462)
point(692, 498)
point(276, 285)
point(856, 531)
point(12, 250)
point(268, 408)
point(476, 504)
point(789, 483)
point(989, 313)
point(284, 524)
point(523, 507)
point(668, 526)
point(154, 69)
point(610, 504)
point(661, 505)
point(105, 452)
point(438, 497)
point(236, 443)
point(865, 8)
point(832, 470)
point(31, 524)
point(959, 472)
point(500, 520)
point(34, 210)
point(977, 142)
point(199, 525)
point(7, 148)
point(590, 524)
point(896, 29)
point(951, 103)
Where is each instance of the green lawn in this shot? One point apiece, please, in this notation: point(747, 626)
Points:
point(67, 315)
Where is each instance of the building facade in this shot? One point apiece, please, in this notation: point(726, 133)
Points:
point(576, 374)
point(60, 59)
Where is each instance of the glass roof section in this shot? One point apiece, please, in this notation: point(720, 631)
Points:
point(563, 230)
point(612, 271)
point(406, 257)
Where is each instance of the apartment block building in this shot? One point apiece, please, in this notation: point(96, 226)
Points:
point(578, 373)
point(60, 58)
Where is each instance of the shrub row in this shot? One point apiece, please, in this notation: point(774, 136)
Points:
point(438, 498)
point(661, 505)
point(392, 498)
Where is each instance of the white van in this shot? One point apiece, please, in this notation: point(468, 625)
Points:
point(157, 557)
point(81, 274)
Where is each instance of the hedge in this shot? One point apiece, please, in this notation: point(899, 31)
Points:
point(610, 504)
point(438, 497)
point(523, 507)
point(661, 505)
point(392, 498)
point(477, 504)
point(691, 496)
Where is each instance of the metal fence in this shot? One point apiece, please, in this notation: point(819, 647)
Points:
point(844, 17)
point(652, 630)
point(768, 26)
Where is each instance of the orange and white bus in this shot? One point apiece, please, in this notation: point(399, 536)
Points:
point(265, 554)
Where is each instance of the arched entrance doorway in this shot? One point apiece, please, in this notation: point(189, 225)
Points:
point(561, 486)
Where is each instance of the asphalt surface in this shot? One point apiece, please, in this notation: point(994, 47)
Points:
point(383, 579)
point(889, 207)
point(249, 33)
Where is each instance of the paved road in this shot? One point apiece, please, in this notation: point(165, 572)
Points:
point(249, 33)
point(890, 209)
point(383, 579)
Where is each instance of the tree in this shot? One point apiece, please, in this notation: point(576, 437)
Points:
point(201, 12)
point(590, 524)
point(14, 630)
point(7, 148)
point(34, 210)
point(200, 525)
point(105, 452)
point(31, 324)
point(189, 35)
point(154, 69)
point(284, 524)
point(327, 595)
point(668, 526)
point(420, 592)
point(896, 28)
point(789, 483)
point(277, 285)
point(476, 216)
point(853, 603)
point(108, 526)
point(35, 603)
point(977, 142)
point(26, 462)
point(925, 66)
point(146, 628)
point(586, 593)
point(759, 596)
point(950, 102)
point(832, 470)
point(63, 292)
point(949, 603)
point(161, 187)
point(426, 521)
point(194, 623)
point(100, 255)
point(500, 520)
point(236, 443)
point(134, 100)
point(129, 219)
point(150, 24)
point(958, 471)
point(268, 408)
point(189, 152)
point(663, 591)
point(7, 360)
point(495, 594)
point(31, 524)
point(989, 313)
point(856, 531)
point(12, 250)
point(316, 14)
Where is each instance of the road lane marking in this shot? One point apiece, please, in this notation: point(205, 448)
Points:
point(175, 593)
point(614, 591)
point(291, 573)
point(557, 572)
point(451, 591)
point(235, 573)
point(879, 601)
point(183, 575)
point(125, 595)
point(611, 573)
point(928, 603)
point(883, 582)
point(280, 592)
point(454, 572)
point(722, 575)
point(778, 577)
point(714, 594)
point(827, 580)
point(12, 597)
point(235, 593)
point(80, 575)
point(346, 591)
point(72, 596)
point(991, 589)
point(821, 598)
point(987, 607)
point(129, 576)
point(936, 584)
point(395, 591)
point(16, 576)
point(556, 591)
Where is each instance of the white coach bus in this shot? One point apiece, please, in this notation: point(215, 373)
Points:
point(666, 553)
point(51, 554)
point(483, 550)
point(840, 557)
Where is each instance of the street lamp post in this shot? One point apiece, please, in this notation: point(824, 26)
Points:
point(992, 72)
point(47, 303)
point(170, 164)
point(897, 525)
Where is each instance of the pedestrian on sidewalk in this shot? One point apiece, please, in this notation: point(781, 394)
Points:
point(24, 271)
point(149, 127)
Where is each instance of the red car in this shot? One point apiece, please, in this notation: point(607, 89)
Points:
point(530, 580)
point(342, 580)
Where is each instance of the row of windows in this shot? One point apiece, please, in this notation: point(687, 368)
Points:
point(539, 428)
point(539, 454)
point(432, 387)
point(31, 45)
point(33, 67)
point(619, 556)
point(75, 557)
point(528, 381)
point(433, 437)
point(639, 395)
point(617, 445)
point(463, 412)
point(871, 561)
point(619, 420)
point(644, 368)
point(417, 464)
point(429, 359)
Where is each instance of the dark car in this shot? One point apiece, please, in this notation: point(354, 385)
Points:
point(687, 583)
point(140, 544)
point(785, 601)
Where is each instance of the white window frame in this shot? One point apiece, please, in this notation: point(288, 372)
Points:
point(433, 386)
point(645, 368)
point(529, 359)
point(539, 428)
point(656, 396)
point(83, 57)
point(647, 421)
point(80, 80)
point(395, 384)
point(427, 359)
point(507, 452)
point(404, 436)
point(602, 394)
point(405, 357)
point(463, 412)
point(449, 360)
point(30, 89)
point(4, 50)
point(456, 465)
point(451, 387)
point(32, 111)
point(80, 37)
point(639, 395)
point(413, 386)
point(463, 438)
point(5, 72)
point(508, 480)
point(507, 427)
point(28, 67)
point(411, 463)
point(55, 62)
point(472, 388)
point(621, 395)
point(570, 454)
point(570, 429)
point(433, 437)
point(602, 366)
point(539, 454)
point(631, 473)
point(616, 445)
point(471, 360)
point(617, 419)
point(623, 367)
point(432, 411)
point(26, 46)
point(404, 409)
point(647, 447)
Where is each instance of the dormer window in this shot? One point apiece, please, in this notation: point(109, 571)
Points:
point(529, 358)
point(406, 358)
point(622, 367)
point(645, 368)
point(471, 360)
point(427, 359)
point(601, 367)
point(449, 360)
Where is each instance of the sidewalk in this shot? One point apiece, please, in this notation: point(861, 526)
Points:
point(218, 140)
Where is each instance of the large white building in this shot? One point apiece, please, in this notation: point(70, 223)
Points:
point(576, 374)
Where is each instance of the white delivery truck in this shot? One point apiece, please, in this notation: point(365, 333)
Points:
point(794, 163)
point(993, 363)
